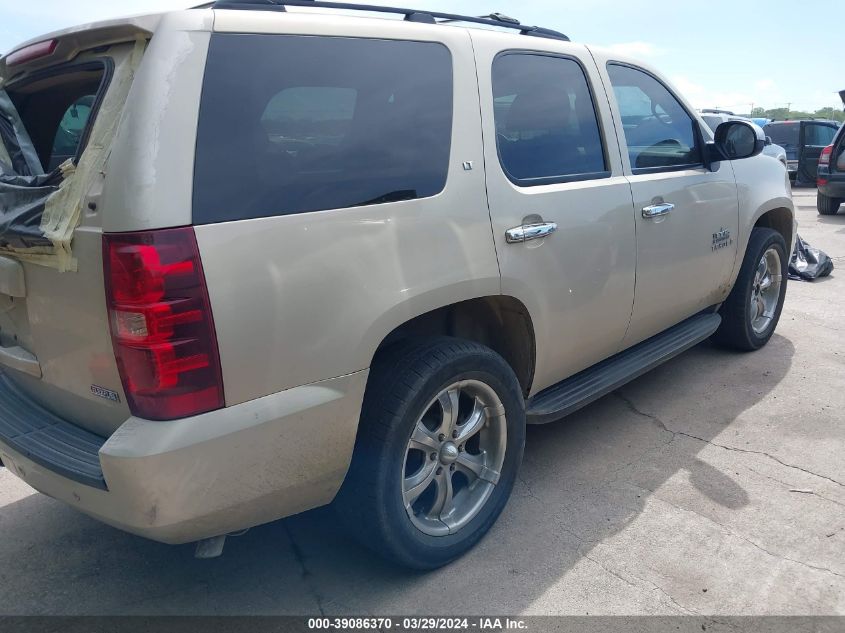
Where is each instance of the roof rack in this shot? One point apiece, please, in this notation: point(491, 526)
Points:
point(411, 15)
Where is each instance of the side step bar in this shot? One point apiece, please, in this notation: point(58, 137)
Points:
point(591, 384)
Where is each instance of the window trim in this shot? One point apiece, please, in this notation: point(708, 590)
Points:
point(106, 64)
point(553, 180)
point(696, 128)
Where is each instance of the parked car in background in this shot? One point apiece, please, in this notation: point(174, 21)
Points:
point(803, 142)
point(831, 175)
point(714, 119)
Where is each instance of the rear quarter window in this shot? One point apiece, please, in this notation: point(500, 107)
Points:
point(784, 134)
point(293, 124)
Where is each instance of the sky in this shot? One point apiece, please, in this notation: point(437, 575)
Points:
point(727, 54)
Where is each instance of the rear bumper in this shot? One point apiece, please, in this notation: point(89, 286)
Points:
point(835, 185)
point(220, 472)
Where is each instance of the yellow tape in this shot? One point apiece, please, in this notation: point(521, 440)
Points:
point(63, 209)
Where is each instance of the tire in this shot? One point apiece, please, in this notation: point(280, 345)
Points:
point(740, 329)
point(401, 400)
point(827, 205)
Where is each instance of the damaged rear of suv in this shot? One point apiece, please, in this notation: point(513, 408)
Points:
point(106, 324)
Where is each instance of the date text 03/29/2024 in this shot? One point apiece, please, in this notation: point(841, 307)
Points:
point(482, 624)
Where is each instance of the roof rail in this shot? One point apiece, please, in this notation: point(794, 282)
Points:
point(411, 15)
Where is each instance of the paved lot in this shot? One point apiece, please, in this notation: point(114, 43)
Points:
point(715, 484)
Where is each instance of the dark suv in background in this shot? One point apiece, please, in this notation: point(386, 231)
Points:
point(803, 142)
point(831, 175)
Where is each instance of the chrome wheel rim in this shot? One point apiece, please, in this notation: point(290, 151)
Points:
point(454, 458)
point(765, 291)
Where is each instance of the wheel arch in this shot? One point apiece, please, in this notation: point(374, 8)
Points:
point(781, 220)
point(778, 214)
point(499, 322)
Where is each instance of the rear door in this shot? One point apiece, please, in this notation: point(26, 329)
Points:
point(815, 136)
point(686, 215)
point(559, 202)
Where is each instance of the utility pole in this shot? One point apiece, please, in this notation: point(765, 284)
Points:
point(788, 108)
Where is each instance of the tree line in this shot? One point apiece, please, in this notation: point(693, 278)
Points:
point(781, 114)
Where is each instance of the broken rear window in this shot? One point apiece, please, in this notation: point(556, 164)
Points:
point(55, 107)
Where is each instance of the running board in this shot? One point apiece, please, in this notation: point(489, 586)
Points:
point(591, 384)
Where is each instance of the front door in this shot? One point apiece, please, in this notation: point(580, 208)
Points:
point(686, 215)
point(559, 202)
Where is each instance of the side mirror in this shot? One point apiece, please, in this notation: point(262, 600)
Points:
point(736, 140)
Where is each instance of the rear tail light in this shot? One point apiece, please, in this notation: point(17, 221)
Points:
point(31, 52)
point(824, 158)
point(161, 323)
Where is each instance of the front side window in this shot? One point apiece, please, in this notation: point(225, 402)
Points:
point(659, 132)
point(546, 124)
point(71, 129)
point(293, 124)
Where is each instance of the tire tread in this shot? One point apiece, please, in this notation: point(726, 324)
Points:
point(397, 376)
point(734, 332)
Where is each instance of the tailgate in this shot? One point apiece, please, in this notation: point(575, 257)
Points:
point(55, 343)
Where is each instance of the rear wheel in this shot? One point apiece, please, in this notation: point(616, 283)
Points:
point(752, 310)
point(440, 442)
point(827, 205)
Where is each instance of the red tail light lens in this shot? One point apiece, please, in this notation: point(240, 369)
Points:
point(161, 323)
point(824, 158)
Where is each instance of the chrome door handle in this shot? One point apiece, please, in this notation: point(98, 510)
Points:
point(656, 210)
point(528, 232)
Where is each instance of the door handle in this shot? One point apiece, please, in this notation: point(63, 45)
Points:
point(656, 210)
point(528, 232)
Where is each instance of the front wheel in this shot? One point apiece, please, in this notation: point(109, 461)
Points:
point(752, 310)
point(440, 441)
point(827, 205)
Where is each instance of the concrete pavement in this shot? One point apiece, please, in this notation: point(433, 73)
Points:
point(713, 485)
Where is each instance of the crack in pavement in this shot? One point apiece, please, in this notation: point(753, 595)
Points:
point(657, 587)
point(736, 534)
point(633, 408)
point(791, 487)
point(528, 489)
point(305, 573)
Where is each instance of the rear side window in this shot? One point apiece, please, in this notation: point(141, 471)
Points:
point(546, 125)
point(659, 132)
point(784, 134)
point(292, 124)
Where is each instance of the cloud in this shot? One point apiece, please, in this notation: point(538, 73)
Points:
point(764, 84)
point(702, 97)
point(636, 49)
